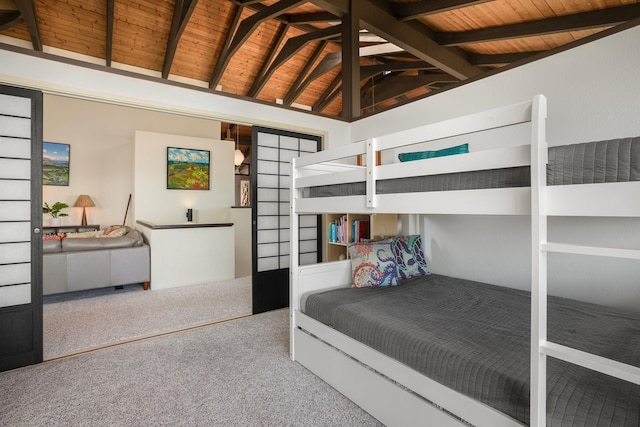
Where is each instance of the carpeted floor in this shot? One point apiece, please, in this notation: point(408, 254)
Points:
point(88, 319)
point(235, 373)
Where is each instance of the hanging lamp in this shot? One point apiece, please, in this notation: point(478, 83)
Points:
point(238, 157)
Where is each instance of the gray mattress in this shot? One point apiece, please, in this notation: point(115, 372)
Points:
point(474, 338)
point(616, 160)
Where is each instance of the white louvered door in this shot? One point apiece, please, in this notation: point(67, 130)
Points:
point(272, 154)
point(20, 227)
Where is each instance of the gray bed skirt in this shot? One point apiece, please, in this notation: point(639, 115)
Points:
point(474, 338)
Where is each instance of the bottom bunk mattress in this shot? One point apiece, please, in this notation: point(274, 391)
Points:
point(474, 338)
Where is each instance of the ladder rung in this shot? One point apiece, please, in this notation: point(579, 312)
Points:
point(591, 250)
point(597, 363)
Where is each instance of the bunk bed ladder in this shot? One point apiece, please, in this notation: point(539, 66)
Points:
point(540, 347)
point(539, 154)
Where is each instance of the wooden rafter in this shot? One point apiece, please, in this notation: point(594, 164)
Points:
point(370, 70)
point(499, 59)
point(351, 62)
point(249, 25)
point(329, 94)
point(262, 78)
point(578, 21)
point(294, 45)
point(182, 11)
point(8, 20)
point(408, 11)
point(245, 29)
point(109, 44)
point(225, 54)
point(378, 19)
point(396, 85)
point(309, 18)
point(28, 12)
point(327, 63)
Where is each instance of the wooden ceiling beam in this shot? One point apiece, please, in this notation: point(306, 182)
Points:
point(408, 11)
point(309, 18)
point(371, 70)
point(28, 12)
point(301, 82)
point(225, 56)
point(329, 62)
point(260, 80)
point(378, 19)
point(499, 59)
point(329, 94)
point(8, 20)
point(246, 2)
point(294, 45)
point(245, 29)
point(351, 61)
point(249, 25)
point(560, 24)
point(182, 11)
point(109, 43)
point(394, 86)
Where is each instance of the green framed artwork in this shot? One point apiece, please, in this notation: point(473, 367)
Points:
point(187, 169)
point(55, 163)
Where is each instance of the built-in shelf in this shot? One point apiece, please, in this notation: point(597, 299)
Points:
point(380, 225)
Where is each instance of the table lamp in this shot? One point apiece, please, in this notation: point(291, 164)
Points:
point(84, 202)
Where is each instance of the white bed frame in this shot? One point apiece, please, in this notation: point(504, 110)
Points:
point(387, 389)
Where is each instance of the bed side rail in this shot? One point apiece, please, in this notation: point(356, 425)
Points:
point(310, 170)
point(316, 277)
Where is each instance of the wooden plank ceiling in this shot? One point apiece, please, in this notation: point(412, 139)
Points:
point(333, 57)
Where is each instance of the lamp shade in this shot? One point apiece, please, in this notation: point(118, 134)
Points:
point(238, 157)
point(84, 201)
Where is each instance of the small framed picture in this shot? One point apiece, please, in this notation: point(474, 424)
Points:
point(55, 163)
point(187, 169)
point(243, 169)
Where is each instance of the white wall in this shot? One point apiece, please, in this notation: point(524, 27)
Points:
point(155, 203)
point(593, 92)
point(70, 80)
point(101, 137)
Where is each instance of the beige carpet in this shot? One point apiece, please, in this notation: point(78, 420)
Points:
point(235, 373)
point(85, 320)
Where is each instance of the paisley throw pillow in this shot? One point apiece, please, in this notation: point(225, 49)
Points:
point(373, 264)
point(409, 256)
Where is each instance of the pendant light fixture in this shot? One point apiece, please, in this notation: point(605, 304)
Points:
point(238, 157)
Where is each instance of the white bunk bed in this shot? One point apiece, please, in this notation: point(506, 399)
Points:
point(392, 392)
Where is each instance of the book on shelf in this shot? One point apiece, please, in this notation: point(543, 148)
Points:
point(359, 230)
point(338, 230)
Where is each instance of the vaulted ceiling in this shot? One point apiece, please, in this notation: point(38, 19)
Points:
point(338, 58)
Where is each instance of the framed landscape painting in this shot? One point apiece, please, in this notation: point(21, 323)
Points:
point(55, 163)
point(187, 169)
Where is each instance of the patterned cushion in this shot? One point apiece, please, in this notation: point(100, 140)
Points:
point(372, 264)
point(419, 155)
point(115, 231)
point(409, 256)
point(53, 236)
point(85, 234)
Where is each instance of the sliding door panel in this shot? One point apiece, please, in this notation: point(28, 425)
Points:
point(20, 225)
point(272, 156)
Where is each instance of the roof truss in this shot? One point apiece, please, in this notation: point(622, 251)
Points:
point(386, 51)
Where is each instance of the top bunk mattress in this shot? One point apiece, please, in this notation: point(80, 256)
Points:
point(616, 160)
point(474, 338)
